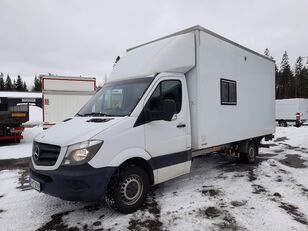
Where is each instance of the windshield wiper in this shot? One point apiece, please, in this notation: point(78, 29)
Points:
point(94, 114)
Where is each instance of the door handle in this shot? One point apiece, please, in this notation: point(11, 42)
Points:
point(181, 126)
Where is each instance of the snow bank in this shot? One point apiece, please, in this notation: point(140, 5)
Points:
point(35, 116)
point(24, 148)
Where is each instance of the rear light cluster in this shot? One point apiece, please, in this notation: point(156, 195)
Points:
point(17, 130)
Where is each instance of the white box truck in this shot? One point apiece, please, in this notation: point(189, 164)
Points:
point(165, 102)
point(64, 96)
point(292, 111)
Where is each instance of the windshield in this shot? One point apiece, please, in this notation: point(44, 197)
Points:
point(116, 98)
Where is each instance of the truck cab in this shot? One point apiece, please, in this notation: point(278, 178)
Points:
point(140, 126)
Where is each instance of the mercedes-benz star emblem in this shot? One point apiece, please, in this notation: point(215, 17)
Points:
point(36, 153)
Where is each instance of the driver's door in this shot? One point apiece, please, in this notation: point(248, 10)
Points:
point(166, 141)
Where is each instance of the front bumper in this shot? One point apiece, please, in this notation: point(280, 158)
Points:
point(74, 183)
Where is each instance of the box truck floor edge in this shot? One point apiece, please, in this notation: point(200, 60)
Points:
point(165, 102)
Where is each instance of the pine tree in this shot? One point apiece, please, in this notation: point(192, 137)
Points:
point(277, 83)
point(8, 84)
point(305, 83)
point(286, 78)
point(37, 84)
point(2, 85)
point(299, 78)
point(19, 84)
point(14, 85)
point(25, 88)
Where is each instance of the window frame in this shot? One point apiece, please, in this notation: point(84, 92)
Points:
point(221, 92)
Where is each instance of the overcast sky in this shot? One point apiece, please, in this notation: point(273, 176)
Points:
point(84, 37)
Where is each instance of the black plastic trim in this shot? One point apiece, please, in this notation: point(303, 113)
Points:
point(170, 159)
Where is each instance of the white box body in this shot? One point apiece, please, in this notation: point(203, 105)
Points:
point(205, 58)
point(286, 109)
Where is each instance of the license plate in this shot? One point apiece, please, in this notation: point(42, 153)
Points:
point(35, 184)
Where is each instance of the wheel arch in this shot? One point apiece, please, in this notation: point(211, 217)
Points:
point(142, 163)
point(134, 156)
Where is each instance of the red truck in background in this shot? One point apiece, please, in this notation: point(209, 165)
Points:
point(11, 120)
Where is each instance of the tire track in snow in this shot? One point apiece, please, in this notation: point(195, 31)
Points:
point(289, 208)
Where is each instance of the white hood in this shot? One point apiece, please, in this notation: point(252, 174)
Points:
point(76, 130)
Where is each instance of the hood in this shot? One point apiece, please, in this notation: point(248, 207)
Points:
point(76, 130)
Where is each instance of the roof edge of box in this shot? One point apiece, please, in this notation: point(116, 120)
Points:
point(200, 28)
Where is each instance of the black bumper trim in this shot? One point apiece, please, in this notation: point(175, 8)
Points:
point(74, 183)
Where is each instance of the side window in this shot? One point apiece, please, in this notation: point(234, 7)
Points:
point(168, 89)
point(228, 92)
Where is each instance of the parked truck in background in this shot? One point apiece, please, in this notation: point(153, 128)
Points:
point(165, 102)
point(64, 96)
point(11, 120)
point(291, 111)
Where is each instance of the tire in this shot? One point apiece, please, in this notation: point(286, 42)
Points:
point(284, 123)
point(251, 155)
point(17, 141)
point(127, 192)
point(298, 124)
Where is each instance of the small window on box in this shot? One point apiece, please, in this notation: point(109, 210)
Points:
point(228, 92)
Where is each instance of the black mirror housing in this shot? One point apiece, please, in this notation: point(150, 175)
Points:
point(166, 112)
point(168, 109)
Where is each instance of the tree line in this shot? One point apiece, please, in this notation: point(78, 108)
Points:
point(6, 84)
point(9, 85)
point(290, 83)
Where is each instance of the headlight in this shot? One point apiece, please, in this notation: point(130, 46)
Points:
point(81, 153)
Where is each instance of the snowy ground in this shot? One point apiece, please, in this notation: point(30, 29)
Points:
point(23, 149)
point(219, 194)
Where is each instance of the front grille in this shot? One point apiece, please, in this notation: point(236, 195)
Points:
point(45, 154)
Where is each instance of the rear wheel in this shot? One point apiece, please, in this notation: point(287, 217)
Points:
point(250, 156)
point(127, 192)
point(284, 123)
point(298, 123)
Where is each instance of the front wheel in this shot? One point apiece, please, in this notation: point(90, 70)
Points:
point(251, 155)
point(127, 192)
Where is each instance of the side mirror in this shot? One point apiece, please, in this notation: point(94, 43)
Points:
point(168, 109)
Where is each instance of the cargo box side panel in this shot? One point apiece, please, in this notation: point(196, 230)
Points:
point(254, 112)
point(58, 107)
point(303, 109)
point(286, 109)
